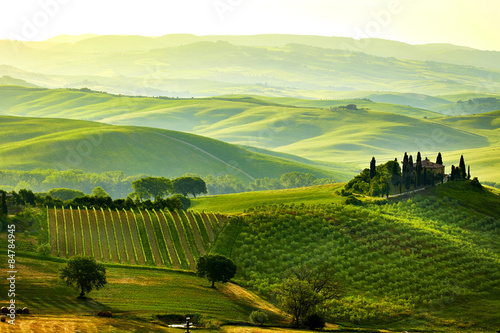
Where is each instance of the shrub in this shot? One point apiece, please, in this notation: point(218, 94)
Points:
point(475, 183)
point(26, 310)
point(258, 317)
point(314, 321)
point(44, 249)
point(212, 324)
point(352, 200)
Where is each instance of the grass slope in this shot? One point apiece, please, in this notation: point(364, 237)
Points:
point(28, 143)
point(239, 202)
point(425, 263)
point(166, 292)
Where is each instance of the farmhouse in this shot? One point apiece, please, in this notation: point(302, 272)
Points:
point(437, 169)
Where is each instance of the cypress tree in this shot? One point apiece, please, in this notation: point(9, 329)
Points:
point(411, 178)
point(406, 171)
point(5, 210)
point(452, 175)
point(468, 172)
point(418, 170)
point(439, 159)
point(463, 172)
point(373, 169)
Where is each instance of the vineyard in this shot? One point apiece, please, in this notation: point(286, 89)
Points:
point(397, 261)
point(156, 238)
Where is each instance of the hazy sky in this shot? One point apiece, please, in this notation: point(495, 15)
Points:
point(463, 22)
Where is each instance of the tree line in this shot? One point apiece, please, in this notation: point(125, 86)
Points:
point(118, 185)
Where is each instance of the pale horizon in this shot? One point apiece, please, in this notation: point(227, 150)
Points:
point(466, 24)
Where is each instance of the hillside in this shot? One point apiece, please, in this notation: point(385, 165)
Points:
point(425, 263)
point(53, 305)
point(29, 143)
point(191, 66)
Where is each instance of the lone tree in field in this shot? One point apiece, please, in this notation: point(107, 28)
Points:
point(84, 273)
point(306, 289)
point(216, 268)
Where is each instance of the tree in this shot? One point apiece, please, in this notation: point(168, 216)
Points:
point(5, 210)
point(152, 187)
point(373, 168)
point(297, 179)
point(307, 288)
point(468, 172)
point(65, 193)
point(406, 171)
point(439, 159)
point(463, 170)
point(418, 170)
point(189, 185)
point(28, 196)
point(216, 268)
point(84, 273)
point(99, 192)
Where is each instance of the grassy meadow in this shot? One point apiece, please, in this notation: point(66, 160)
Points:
point(61, 144)
point(305, 128)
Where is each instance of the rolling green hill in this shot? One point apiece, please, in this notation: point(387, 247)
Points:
point(425, 263)
point(312, 129)
point(28, 143)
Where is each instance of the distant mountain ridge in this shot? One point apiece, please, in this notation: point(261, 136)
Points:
point(272, 65)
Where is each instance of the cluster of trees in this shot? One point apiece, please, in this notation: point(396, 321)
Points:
point(375, 181)
point(159, 187)
point(116, 183)
point(382, 179)
point(230, 184)
point(98, 199)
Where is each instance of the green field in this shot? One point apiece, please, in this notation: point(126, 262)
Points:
point(237, 203)
point(422, 263)
point(29, 143)
point(306, 128)
point(133, 294)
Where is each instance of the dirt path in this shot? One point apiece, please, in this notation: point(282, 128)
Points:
point(78, 232)
point(196, 233)
point(88, 243)
point(208, 225)
point(184, 242)
point(70, 232)
point(115, 219)
point(53, 232)
point(60, 229)
point(113, 250)
point(129, 243)
point(152, 239)
point(136, 238)
point(168, 241)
